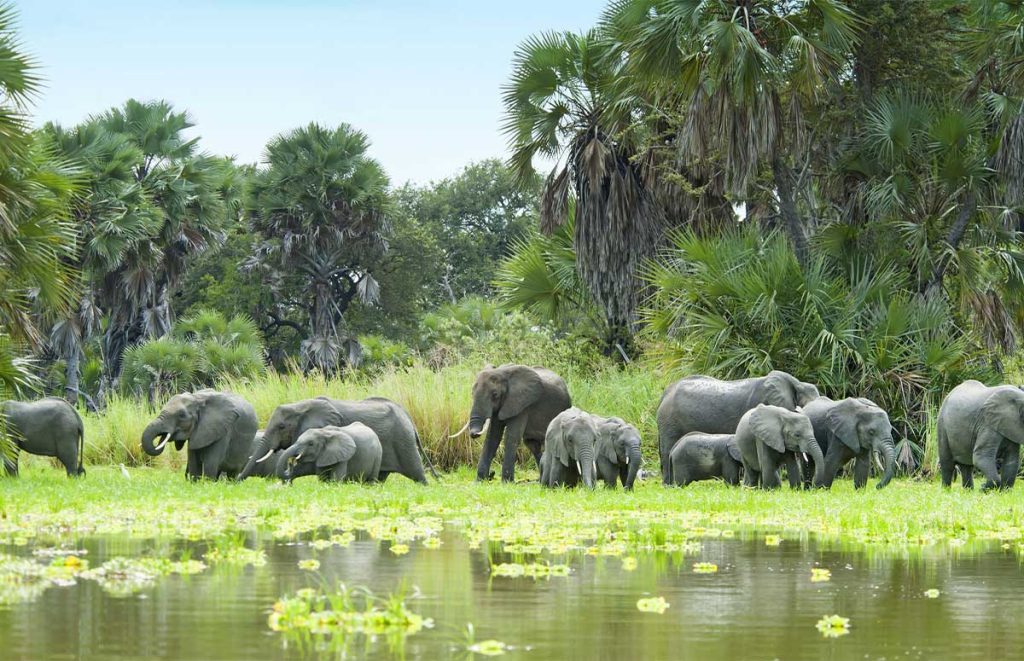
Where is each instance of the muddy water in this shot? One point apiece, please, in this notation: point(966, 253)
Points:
point(761, 604)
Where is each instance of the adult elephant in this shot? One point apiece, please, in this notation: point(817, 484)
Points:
point(978, 426)
point(569, 450)
point(47, 427)
point(518, 402)
point(617, 452)
point(770, 436)
point(218, 428)
point(852, 428)
point(339, 454)
point(266, 468)
point(400, 444)
point(699, 456)
point(709, 405)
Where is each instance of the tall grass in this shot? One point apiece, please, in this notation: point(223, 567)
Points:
point(438, 401)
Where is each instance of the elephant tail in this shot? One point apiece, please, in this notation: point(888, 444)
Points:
point(426, 458)
point(81, 446)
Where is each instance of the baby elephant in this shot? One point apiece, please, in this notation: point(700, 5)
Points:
point(349, 453)
point(769, 436)
point(700, 456)
point(618, 452)
point(49, 427)
point(569, 450)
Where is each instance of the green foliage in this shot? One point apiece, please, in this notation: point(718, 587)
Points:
point(202, 350)
point(740, 305)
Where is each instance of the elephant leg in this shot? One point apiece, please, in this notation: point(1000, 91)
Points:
point(194, 469)
point(383, 475)
point(607, 471)
point(623, 475)
point(536, 449)
point(1011, 464)
point(751, 477)
point(985, 450)
point(769, 467)
point(861, 468)
point(946, 464)
point(731, 473)
point(966, 475)
point(212, 458)
point(513, 436)
point(793, 472)
point(494, 432)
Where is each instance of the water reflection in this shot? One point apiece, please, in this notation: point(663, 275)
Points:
point(761, 604)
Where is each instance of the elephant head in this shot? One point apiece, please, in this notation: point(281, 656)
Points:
point(504, 392)
point(782, 389)
point(619, 442)
point(862, 426)
point(200, 418)
point(316, 452)
point(787, 431)
point(1003, 411)
point(286, 425)
point(571, 438)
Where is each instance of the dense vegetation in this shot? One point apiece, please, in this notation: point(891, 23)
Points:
point(830, 188)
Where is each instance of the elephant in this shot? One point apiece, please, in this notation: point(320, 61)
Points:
point(569, 450)
point(618, 452)
point(340, 454)
point(712, 406)
point(769, 435)
point(852, 428)
point(699, 456)
point(49, 427)
point(519, 402)
point(981, 426)
point(400, 444)
point(219, 428)
point(266, 468)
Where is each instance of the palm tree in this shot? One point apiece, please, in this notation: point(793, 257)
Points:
point(321, 206)
point(743, 74)
point(567, 101)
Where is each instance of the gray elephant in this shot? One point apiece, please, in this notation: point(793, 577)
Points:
point(569, 450)
point(768, 436)
point(219, 428)
point(341, 454)
point(981, 427)
point(712, 406)
point(852, 428)
point(394, 427)
point(47, 427)
point(266, 468)
point(618, 452)
point(699, 456)
point(518, 402)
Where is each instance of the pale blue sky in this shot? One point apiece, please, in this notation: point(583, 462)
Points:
point(422, 78)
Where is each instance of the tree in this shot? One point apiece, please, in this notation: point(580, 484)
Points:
point(567, 101)
point(321, 207)
point(743, 75)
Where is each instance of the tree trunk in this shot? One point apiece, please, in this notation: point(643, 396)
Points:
point(791, 221)
point(955, 236)
point(71, 376)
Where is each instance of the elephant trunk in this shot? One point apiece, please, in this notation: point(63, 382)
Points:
point(888, 461)
point(634, 461)
point(479, 417)
point(284, 468)
point(149, 435)
point(814, 450)
point(260, 450)
point(586, 467)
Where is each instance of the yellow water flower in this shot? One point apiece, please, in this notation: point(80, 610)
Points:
point(820, 574)
point(705, 568)
point(399, 549)
point(772, 540)
point(932, 594)
point(488, 648)
point(309, 565)
point(652, 605)
point(833, 626)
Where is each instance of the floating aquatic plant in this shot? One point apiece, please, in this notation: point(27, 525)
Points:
point(652, 605)
point(773, 540)
point(488, 648)
point(820, 574)
point(833, 626)
point(533, 570)
point(705, 568)
point(311, 564)
point(629, 564)
point(932, 593)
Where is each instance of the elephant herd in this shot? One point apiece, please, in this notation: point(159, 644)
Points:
point(707, 429)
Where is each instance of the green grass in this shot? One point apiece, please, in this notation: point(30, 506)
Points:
point(438, 400)
point(153, 503)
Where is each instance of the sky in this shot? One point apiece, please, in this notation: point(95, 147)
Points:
point(422, 78)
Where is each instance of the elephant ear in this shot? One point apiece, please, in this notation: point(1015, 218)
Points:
point(734, 449)
point(217, 415)
point(778, 391)
point(524, 388)
point(555, 443)
point(338, 448)
point(1003, 411)
point(318, 412)
point(842, 422)
point(610, 436)
point(767, 426)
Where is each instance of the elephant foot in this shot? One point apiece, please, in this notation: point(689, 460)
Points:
point(485, 478)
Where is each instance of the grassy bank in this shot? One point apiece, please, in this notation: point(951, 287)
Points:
point(522, 518)
point(438, 400)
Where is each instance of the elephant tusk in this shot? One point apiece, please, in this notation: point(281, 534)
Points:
point(806, 458)
point(487, 425)
point(264, 457)
point(579, 469)
point(163, 441)
point(461, 431)
point(627, 459)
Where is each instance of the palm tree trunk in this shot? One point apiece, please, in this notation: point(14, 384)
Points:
point(955, 236)
point(791, 221)
point(71, 376)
